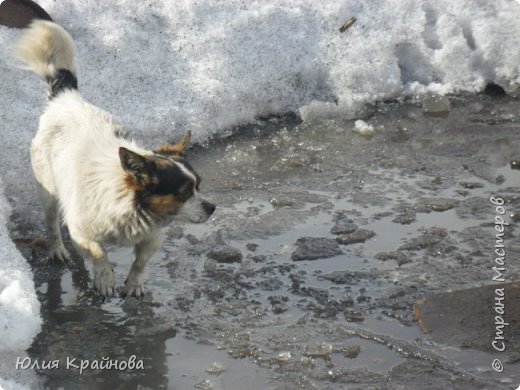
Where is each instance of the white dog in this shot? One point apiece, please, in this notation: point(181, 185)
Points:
point(103, 186)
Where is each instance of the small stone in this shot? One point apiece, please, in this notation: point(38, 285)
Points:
point(252, 247)
point(471, 185)
point(351, 351)
point(360, 235)
point(405, 218)
point(426, 205)
point(354, 316)
point(515, 164)
point(430, 237)
point(204, 385)
point(278, 299)
point(381, 215)
point(215, 368)
point(225, 254)
point(343, 226)
point(281, 202)
point(324, 351)
point(279, 308)
point(312, 248)
point(400, 258)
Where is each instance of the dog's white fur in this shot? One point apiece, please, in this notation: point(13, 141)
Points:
point(78, 171)
point(46, 47)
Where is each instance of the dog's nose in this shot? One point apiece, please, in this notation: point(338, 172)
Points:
point(209, 208)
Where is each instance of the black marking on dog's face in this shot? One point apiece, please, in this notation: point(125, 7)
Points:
point(161, 184)
point(188, 167)
point(172, 179)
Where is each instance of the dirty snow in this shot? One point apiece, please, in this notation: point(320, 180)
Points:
point(163, 67)
point(19, 308)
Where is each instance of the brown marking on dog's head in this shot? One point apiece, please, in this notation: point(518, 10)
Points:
point(132, 184)
point(163, 204)
point(177, 150)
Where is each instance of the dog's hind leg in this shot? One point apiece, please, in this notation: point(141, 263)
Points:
point(49, 201)
point(103, 270)
point(143, 251)
point(57, 250)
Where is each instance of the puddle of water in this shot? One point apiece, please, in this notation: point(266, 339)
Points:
point(188, 362)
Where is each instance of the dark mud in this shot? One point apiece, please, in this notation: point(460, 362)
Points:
point(312, 273)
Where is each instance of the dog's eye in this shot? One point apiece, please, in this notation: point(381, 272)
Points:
point(186, 194)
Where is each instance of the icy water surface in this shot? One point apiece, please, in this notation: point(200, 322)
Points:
point(409, 207)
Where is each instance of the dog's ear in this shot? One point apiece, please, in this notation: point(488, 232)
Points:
point(139, 167)
point(177, 150)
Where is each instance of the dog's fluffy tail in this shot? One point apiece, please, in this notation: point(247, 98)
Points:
point(48, 50)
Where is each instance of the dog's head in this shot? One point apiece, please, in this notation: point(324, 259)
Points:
point(165, 184)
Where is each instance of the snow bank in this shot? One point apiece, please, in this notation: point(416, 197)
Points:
point(19, 308)
point(208, 65)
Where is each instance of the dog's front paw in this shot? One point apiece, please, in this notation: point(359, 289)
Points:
point(133, 286)
point(104, 278)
